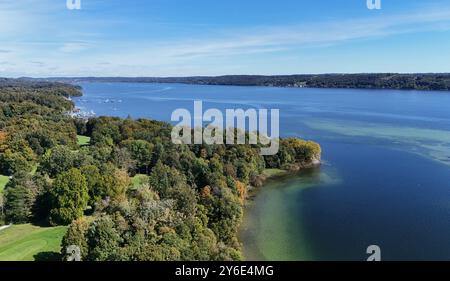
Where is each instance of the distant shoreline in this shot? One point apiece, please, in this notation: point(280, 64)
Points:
point(391, 81)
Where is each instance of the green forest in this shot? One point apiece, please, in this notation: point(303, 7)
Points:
point(398, 81)
point(122, 188)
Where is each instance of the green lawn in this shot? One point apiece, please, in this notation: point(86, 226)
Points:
point(139, 179)
point(27, 242)
point(3, 181)
point(83, 140)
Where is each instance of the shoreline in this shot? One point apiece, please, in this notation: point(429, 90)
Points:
point(270, 86)
point(278, 175)
point(274, 174)
point(377, 81)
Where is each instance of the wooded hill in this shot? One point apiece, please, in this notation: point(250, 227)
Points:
point(427, 81)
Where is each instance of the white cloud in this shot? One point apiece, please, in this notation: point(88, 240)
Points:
point(269, 39)
point(176, 54)
point(73, 47)
point(77, 53)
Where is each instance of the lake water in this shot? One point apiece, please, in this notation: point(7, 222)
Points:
point(385, 179)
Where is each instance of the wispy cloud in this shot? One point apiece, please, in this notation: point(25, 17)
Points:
point(38, 63)
point(275, 39)
point(74, 52)
point(280, 38)
point(73, 47)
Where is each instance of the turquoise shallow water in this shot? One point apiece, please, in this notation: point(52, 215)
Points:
point(385, 178)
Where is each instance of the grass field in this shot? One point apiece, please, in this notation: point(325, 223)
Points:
point(3, 181)
point(139, 179)
point(82, 140)
point(27, 242)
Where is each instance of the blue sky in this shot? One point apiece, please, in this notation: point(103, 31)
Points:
point(42, 38)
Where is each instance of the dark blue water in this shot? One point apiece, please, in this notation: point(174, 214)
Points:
point(385, 178)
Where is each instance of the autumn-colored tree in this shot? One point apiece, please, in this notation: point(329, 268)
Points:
point(3, 136)
point(242, 191)
point(76, 236)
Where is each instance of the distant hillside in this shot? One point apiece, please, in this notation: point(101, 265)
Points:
point(365, 81)
point(28, 85)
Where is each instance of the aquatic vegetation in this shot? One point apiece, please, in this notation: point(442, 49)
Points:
point(430, 143)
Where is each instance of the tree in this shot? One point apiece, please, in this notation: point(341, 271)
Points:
point(114, 182)
point(185, 198)
point(57, 160)
point(40, 141)
point(94, 182)
point(76, 235)
point(121, 183)
point(43, 203)
point(224, 213)
point(123, 160)
point(142, 152)
point(159, 153)
point(70, 197)
point(201, 172)
point(2, 212)
point(21, 193)
point(13, 162)
point(103, 240)
point(300, 150)
point(163, 179)
point(16, 155)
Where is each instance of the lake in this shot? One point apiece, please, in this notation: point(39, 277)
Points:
point(385, 178)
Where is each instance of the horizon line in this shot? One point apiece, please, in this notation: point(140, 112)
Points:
point(228, 75)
